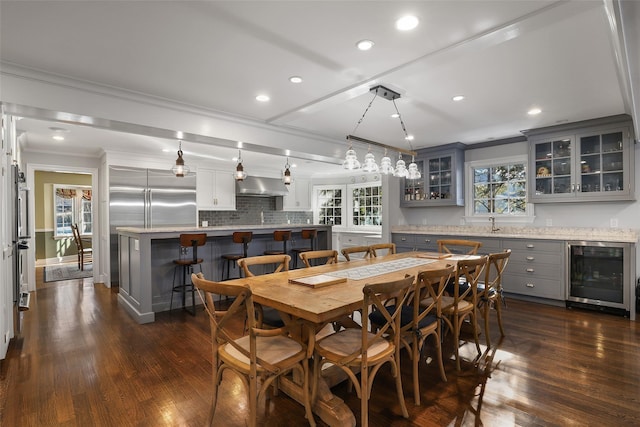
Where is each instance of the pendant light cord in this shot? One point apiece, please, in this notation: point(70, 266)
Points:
point(365, 113)
point(404, 129)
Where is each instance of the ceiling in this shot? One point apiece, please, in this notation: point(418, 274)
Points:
point(505, 57)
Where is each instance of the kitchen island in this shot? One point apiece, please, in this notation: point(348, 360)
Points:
point(145, 257)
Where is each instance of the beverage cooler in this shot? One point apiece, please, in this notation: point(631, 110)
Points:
point(600, 276)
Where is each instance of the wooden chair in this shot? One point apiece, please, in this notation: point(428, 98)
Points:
point(266, 315)
point(185, 265)
point(330, 257)
point(310, 234)
point(367, 351)
point(259, 357)
point(490, 291)
point(364, 250)
point(462, 304)
point(455, 246)
point(85, 255)
point(379, 248)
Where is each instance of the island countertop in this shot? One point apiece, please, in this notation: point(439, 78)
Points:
point(623, 235)
point(221, 230)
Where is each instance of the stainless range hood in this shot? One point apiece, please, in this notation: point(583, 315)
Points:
point(259, 186)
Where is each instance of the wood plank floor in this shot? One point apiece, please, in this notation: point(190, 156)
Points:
point(82, 361)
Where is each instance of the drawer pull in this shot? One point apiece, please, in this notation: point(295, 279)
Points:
point(530, 270)
point(404, 239)
point(530, 246)
point(530, 285)
point(427, 240)
point(530, 258)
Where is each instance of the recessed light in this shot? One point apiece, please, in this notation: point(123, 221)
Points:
point(458, 98)
point(365, 44)
point(295, 79)
point(534, 111)
point(262, 98)
point(58, 130)
point(58, 137)
point(395, 115)
point(165, 150)
point(409, 137)
point(407, 23)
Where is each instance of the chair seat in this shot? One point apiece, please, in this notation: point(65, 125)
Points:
point(406, 317)
point(273, 253)
point(447, 305)
point(301, 250)
point(233, 257)
point(348, 341)
point(188, 261)
point(272, 350)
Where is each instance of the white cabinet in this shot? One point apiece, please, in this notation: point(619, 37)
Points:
point(299, 197)
point(215, 190)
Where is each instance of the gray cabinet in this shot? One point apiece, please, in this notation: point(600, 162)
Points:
point(586, 161)
point(442, 181)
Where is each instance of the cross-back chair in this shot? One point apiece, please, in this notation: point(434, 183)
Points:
point(365, 350)
point(490, 291)
point(259, 357)
point(462, 304)
point(363, 251)
point(328, 256)
point(85, 255)
point(381, 249)
point(266, 315)
point(458, 246)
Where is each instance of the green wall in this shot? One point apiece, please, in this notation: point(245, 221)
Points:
point(46, 245)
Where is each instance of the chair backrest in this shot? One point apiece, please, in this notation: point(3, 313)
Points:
point(193, 240)
point(222, 321)
point(243, 237)
point(282, 235)
point(76, 236)
point(365, 250)
point(458, 246)
point(282, 262)
point(375, 297)
point(309, 233)
point(496, 263)
point(468, 271)
point(430, 287)
point(376, 249)
point(331, 256)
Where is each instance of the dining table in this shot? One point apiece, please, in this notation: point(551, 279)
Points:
point(323, 294)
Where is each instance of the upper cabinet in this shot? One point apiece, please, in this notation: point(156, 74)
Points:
point(442, 182)
point(588, 161)
point(299, 197)
point(215, 190)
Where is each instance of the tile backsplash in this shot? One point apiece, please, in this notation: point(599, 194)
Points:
point(254, 210)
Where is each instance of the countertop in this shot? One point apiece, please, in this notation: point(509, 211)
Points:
point(623, 235)
point(221, 228)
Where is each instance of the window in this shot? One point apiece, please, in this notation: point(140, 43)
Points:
point(350, 206)
point(497, 187)
point(72, 205)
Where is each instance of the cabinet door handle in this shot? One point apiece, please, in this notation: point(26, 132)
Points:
point(530, 285)
point(427, 241)
point(530, 270)
point(577, 188)
point(573, 188)
point(530, 246)
point(404, 239)
point(530, 258)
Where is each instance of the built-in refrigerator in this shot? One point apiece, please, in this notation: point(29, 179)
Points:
point(148, 198)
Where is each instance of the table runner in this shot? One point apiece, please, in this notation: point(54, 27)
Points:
point(378, 269)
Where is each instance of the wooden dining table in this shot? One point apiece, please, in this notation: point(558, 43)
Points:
point(319, 306)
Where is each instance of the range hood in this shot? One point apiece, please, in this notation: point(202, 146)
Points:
point(259, 186)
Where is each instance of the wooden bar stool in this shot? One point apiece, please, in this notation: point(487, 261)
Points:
point(185, 263)
point(243, 237)
point(306, 234)
point(280, 236)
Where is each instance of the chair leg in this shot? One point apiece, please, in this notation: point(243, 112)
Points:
point(416, 360)
point(486, 310)
point(403, 405)
point(440, 361)
point(364, 397)
point(306, 393)
point(499, 314)
point(253, 402)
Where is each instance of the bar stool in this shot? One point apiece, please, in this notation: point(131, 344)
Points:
point(306, 234)
point(243, 237)
point(280, 236)
point(186, 264)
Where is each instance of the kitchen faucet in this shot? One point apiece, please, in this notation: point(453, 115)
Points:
point(493, 224)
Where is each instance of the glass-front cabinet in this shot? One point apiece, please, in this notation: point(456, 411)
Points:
point(590, 163)
point(442, 180)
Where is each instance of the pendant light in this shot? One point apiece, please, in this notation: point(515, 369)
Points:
point(401, 170)
point(370, 164)
point(385, 164)
point(240, 174)
point(180, 169)
point(286, 177)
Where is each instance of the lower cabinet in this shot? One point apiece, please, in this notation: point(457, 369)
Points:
point(536, 267)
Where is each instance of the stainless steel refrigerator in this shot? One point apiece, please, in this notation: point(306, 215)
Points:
point(20, 235)
point(148, 198)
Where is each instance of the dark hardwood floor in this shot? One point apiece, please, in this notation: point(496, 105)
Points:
point(82, 361)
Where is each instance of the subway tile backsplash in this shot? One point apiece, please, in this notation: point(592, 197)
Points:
point(248, 212)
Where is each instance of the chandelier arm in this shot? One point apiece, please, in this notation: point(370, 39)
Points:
point(379, 144)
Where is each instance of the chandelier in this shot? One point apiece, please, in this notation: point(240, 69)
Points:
point(180, 169)
point(369, 165)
